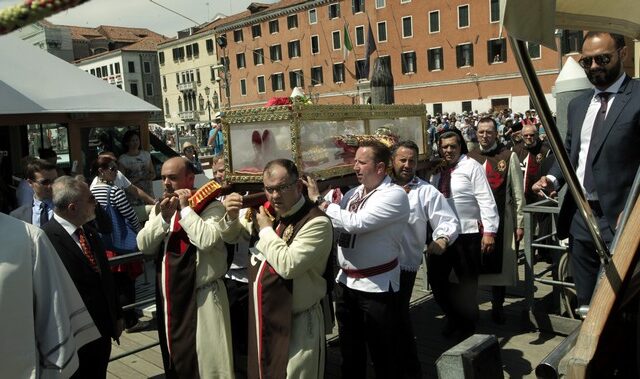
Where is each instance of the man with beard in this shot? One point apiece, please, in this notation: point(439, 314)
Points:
point(463, 182)
point(499, 268)
point(185, 232)
point(602, 143)
point(430, 211)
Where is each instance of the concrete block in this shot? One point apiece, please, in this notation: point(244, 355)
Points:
point(477, 357)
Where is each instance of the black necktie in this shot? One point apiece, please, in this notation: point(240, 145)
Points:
point(44, 213)
point(589, 185)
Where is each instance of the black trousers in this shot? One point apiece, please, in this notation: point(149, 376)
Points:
point(238, 294)
point(127, 290)
point(368, 320)
point(408, 349)
point(584, 261)
point(94, 359)
point(458, 302)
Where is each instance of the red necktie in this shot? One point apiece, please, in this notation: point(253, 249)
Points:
point(86, 249)
point(444, 185)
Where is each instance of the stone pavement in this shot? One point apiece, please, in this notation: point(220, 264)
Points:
point(521, 350)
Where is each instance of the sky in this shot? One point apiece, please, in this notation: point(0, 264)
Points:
point(145, 14)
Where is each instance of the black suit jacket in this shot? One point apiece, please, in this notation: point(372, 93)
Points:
point(617, 151)
point(23, 213)
point(97, 289)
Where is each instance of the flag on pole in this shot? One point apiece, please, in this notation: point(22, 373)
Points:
point(370, 48)
point(347, 46)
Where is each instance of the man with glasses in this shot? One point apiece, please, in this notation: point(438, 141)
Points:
point(602, 143)
point(40, 176)
point(533, 155)
point(371, 219)
point(288, 278)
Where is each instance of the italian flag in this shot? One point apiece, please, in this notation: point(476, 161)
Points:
point(347, 46)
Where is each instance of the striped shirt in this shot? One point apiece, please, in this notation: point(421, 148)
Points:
point(118, 201)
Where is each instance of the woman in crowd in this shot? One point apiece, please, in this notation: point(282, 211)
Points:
point(105, 191)
point(136, 164)
point(189, 151)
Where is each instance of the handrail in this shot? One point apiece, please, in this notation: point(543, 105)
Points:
point(546, 118)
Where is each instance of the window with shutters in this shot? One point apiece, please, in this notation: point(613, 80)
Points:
point(294, 48)
point(315, 45)
point(161, 57)
point(277, 82)
point(337, 41)
point(361, 69)
point(464, 55)
point(463, 16)
point(243, 87)
point(258, 57)
point(275, 53)
point(494, 11)
point(497, 50)
point(316, 76)
point(357, 6)
point(338, 73)
point(408, 62)
point(238, 36)
point(260, 82)
point(334, 11)
point(256, 31)
point(240, 61)
point(434, 22)
point(435, 59)
point(274, 26)
point(313, 16)
point(407, 27)
point(296, 79)
point(360, 35)
point(209, 45)
point(292, 21)
point(382, 31)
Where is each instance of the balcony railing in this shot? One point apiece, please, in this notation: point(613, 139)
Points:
point(188, 86)
point(187, 115)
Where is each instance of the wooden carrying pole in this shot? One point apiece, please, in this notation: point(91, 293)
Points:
point(604, 297)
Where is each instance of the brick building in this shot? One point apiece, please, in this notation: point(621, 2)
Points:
point(446, 54)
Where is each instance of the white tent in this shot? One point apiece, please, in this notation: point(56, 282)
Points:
point(33, 81)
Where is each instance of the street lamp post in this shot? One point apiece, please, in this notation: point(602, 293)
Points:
point(222, 43)
point(205, 131)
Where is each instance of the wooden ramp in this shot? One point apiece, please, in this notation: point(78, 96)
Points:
point(521, 349)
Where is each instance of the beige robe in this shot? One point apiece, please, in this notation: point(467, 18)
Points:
point(207, 232)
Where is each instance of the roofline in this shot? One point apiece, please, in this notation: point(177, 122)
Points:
point(187, 39)
point(269, 15)
point(107, 54)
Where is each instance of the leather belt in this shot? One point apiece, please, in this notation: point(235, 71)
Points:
point(371, 271)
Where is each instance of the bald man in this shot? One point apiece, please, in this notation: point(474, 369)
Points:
point(191, 259)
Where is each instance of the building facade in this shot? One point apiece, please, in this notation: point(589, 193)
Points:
point(189, 69)
point(134, 69)
point(446, 54)
point(54, 39)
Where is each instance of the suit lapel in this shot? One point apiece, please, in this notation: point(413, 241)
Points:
point(621, 99)
point(575, 138)
point(69, 244)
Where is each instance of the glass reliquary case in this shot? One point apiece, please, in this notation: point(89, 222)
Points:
point(321, 139)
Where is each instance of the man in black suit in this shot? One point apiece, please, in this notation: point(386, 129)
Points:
point(83, 254)
point(602, 142)
point(40, 175)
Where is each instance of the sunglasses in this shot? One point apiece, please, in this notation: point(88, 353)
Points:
point(601, 60)
point(280, 188)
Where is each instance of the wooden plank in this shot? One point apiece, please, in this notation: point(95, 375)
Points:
point(604, 297)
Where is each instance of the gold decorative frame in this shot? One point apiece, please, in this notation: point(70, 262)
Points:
point(296, 113)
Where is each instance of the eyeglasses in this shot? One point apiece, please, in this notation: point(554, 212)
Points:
point(44, 182)
point(529, 135)
point(601, 60)
point(281, 188)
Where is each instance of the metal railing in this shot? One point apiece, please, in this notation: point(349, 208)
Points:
point(122, 259)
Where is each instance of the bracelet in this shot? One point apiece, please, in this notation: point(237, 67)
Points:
point(318, 201)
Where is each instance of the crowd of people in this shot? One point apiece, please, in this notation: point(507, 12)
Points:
point(255, 288)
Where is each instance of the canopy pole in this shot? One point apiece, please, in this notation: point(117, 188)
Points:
point(555, 140)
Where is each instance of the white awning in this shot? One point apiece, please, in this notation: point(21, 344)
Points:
point(33, 81)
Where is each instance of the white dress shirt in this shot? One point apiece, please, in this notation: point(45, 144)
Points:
point(376, 234)
point(587, 127)
point(471, 197)
point(70, 228)
point(427, 206)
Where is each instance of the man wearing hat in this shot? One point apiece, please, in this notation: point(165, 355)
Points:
point(216, 140)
